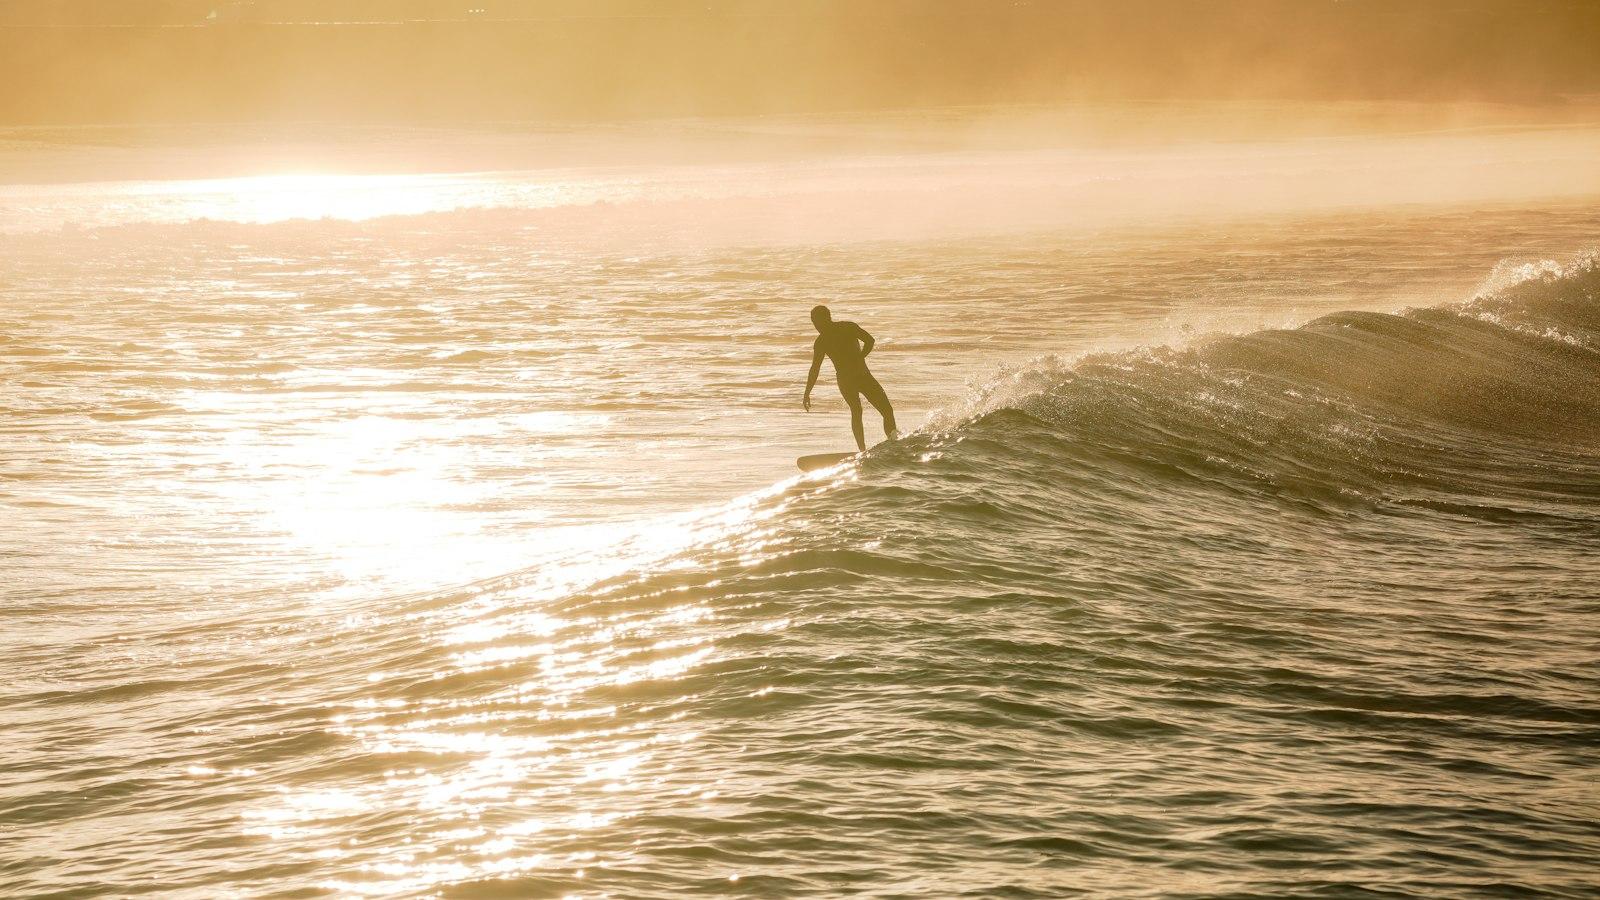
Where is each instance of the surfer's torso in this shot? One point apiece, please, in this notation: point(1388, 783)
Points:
point(842, 344)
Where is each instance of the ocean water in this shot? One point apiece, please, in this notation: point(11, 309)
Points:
point(450, 544)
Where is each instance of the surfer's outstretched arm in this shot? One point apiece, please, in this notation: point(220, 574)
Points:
point(811, 379)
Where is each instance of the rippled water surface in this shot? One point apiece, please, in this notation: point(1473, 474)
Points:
point(460, 555)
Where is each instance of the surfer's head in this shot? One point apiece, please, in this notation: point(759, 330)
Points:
point(820, 317)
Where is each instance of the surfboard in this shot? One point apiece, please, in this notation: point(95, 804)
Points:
point(822, 460)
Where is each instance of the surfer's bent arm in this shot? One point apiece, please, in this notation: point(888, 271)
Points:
point(811, 379)
point(866, 340)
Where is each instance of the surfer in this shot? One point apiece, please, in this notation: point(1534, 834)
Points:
point(847, 345)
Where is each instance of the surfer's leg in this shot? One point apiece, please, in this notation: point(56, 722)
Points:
point(873, 391)
point(855, 423)
point(854, 400)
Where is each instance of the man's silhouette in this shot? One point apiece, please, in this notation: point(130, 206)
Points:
point(848, 344)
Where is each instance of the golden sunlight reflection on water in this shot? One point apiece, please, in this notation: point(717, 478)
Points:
point(384, 497)
point(530, 717)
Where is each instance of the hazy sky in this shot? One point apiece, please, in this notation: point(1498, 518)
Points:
point(100, 61)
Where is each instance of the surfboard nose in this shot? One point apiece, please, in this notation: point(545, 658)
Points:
point(822, 460)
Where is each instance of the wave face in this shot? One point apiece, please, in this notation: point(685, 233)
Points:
point(1304, 612)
